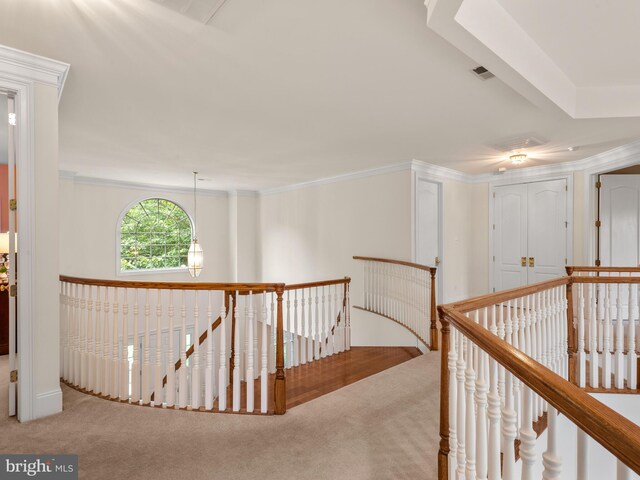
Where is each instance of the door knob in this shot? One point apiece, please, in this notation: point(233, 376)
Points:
point(523, 261)
point(437, 261)
point(532, 262)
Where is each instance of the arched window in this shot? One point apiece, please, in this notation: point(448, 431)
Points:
point(154, 234)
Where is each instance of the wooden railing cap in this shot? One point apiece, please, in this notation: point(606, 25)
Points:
point(398, 262)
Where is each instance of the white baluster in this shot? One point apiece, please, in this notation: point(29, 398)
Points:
point(208, 371)
point(135, 366)
point(295, 332)
point(494, 423)
point(622, 471)
point(158, 374)
point(619, 347)
point(106, 346)
point(502, 333)
point(236, 359)
point(480, 398)
point(318, 327)
point(582, 359)
point(115, 359)
point(303, 331)
point(250, 366)
point(632, 358)
point(222, 374)
point(264, 375)
point(582, 468)
point(470, 415)
point(527, 437)
point(146, 349)
point(606, 346)
point(83, 340)
point(310, 344)
point(124, 353)
point(596, 312)
point(550, 458)
point(461, 404)
point(195, 364)
point(323, 329)
point(75, 336)
point(348, 321)
point(183, 371)
point(453, 408)
point(171, 369)
point(64, 334)
point(509, 420)
point(91, 369)
point(287, 333)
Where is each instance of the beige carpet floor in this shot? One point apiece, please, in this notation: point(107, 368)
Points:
point(382, 427)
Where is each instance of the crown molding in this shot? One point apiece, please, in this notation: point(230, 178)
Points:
point(103, 182)
point(398, 167)
point(613, 159)
point(24, 65)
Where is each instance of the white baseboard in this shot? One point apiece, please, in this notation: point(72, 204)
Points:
point(48, 403)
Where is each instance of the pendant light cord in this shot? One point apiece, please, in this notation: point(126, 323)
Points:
point(195, 209)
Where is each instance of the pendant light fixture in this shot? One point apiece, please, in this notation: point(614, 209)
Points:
point(195, 259)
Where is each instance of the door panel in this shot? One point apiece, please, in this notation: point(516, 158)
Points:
point(547, 229)
point(510, 236)
point(619, 217)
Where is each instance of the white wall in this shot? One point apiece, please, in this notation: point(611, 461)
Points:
point(46, 326)
point(313, 233)
point(89, 216)
point(465, 240)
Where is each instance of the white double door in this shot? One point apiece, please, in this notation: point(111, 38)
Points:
point(529, 233)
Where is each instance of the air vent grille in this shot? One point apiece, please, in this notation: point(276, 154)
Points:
point(483, 73)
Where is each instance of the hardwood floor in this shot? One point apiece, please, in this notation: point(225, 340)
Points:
point(307, 382)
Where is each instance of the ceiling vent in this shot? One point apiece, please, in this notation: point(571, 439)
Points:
point(483, 73)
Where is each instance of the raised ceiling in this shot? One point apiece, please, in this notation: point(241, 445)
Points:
point(579, 54)
point(274, 93)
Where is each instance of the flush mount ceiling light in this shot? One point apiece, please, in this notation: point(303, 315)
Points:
point(518, 158)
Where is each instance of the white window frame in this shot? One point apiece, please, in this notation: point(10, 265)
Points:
point(147, 271)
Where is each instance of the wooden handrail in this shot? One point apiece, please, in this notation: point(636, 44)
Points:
point(229, 287)
point(398, 262)
point(499, 297)
point(602, 269)
point(324, 283)
point(613, 431)
point(577, 279)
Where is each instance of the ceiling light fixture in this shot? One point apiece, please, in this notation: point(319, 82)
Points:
point(518, 158)
point(195, 258)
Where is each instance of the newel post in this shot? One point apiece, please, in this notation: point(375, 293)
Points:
point(434, 327)
point(279, 390)
point(571, 333)
point(443, 452)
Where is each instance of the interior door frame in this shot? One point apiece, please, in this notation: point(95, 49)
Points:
point(23, 93)
point(619, 160)
point(568, 177)
point(421, 177)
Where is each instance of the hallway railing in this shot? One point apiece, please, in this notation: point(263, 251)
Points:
point(197, 346)
point(404, 292)
point(507, 362)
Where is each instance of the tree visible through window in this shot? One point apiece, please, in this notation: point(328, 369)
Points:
point(154, 234)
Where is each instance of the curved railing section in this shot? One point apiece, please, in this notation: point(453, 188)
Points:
point(404, 292)
point(508, 369)
point(604, 305)
point(197, 346)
